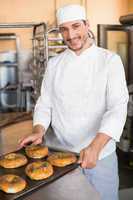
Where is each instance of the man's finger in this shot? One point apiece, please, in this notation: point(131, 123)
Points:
point(89, 161)
point(25, 141)
point(81, 157)
point(84, 161)
point(38, 141)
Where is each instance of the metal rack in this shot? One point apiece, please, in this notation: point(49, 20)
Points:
point(9, 75)
point(15, 38)
point(37, 66)
point(57, 44)
point(40, 56)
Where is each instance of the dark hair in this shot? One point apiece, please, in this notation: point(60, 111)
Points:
point(84, 21)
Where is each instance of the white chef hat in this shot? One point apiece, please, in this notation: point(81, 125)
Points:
point(70, 13)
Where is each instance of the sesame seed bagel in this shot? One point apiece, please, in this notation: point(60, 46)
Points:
point(11, 183)
point(39, 170)
point(36, 151)
point(13, 160)
point(61, 159)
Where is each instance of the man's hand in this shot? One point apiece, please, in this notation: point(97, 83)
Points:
point(35, 138)
point(89, 155)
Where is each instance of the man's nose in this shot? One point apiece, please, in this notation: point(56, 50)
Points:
point(70, 34)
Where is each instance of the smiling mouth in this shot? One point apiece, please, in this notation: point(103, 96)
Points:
point(73, 40)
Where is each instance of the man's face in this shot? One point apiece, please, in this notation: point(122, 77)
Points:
point(75, 34)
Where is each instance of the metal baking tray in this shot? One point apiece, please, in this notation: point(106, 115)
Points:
point(32, 184)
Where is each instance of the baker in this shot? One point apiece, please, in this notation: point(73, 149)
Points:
point(84, 97)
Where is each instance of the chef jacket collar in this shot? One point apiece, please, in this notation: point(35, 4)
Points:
point(89, 51)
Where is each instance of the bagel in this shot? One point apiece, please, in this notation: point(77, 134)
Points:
point(61, 159)
point(11, 183)
point(13, 160)
point(39, 170)
point(36, 151)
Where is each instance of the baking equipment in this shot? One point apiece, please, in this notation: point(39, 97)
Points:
point(122, 44)
point(8, 100)
point(38, 57)
point(9, 136)
point(31, 184)
point(10, 133)
point(8, 74)
point(7, 56)
point(126, 19)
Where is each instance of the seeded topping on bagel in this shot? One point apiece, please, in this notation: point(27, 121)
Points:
point(61, 159)
point(39, 170)
point(13, 160)
point(36, 151)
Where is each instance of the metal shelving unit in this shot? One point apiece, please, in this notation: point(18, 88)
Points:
point(9, 73)
point(38, 63)
point(40, 56)
point(15, 38)
point(55, 42)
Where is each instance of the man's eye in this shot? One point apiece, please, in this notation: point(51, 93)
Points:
point(76, 26)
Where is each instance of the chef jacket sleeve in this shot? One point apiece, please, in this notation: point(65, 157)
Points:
point(42, 111)
point(117, 96)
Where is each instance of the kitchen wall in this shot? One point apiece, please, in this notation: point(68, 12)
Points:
point(103, 11)
point(130, 6)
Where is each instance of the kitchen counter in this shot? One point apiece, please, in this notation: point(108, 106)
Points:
point(13, 126)
point(9, 118)
point(72, 186)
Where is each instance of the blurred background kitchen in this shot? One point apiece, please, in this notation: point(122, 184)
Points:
point(29, 37)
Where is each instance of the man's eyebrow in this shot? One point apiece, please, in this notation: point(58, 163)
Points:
point(77, 23)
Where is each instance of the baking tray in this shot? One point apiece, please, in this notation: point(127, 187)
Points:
point(32, 184)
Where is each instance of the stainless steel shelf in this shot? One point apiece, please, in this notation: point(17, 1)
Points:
point(9, 64)
point(18, 25)
point(58, 47)
point(55, 39)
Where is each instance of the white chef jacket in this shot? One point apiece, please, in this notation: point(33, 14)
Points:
point(82, 95)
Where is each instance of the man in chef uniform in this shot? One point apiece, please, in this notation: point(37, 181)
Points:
point(84, 98)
